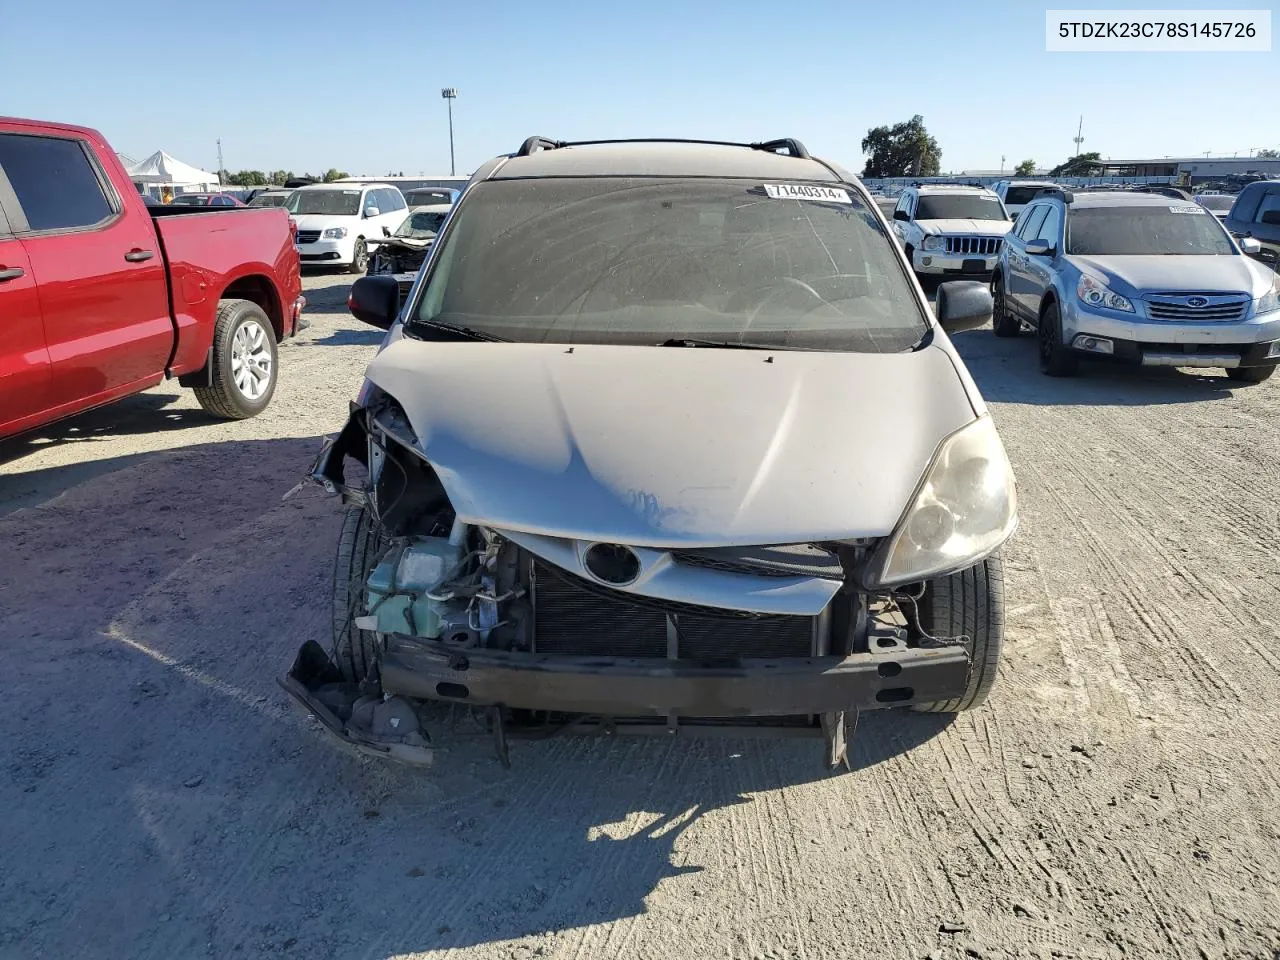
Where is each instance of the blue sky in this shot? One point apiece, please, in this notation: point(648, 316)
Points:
point(309, 86)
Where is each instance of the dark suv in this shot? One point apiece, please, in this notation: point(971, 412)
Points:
point(1256, 215)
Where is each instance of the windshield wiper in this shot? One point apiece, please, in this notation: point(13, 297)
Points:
point(730, 344)
point(457, 329)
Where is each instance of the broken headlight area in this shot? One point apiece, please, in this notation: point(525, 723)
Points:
point(544, 634)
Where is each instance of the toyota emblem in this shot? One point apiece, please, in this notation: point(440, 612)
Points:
point(1196, 301)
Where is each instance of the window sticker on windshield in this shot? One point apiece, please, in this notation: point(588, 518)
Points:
point(351, 193)
point(1192, 209)
point(804, 191)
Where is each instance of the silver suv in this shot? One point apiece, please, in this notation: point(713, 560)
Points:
point(1136, 277)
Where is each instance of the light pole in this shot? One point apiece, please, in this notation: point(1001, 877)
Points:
point(450, 94)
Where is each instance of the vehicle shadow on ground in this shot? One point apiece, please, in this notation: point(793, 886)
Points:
point(148, 749)
point(350, 338)
point(1007, 371)
point(328, 299)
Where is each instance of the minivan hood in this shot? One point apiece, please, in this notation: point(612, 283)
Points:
point(1229, 273)
point(658, 446)
point(319, 221)
point(985, 228)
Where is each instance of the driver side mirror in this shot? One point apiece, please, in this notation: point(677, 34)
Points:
point(962, 305)
point(375, 300)
point(901, 215)
point(1249, 246)
point(1039, 248)
point(371, 211)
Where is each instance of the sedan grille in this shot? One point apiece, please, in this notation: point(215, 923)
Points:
point(308, 236)
point(1197, 307)
point(978, 246)
point(574, 617)
point(799, 560)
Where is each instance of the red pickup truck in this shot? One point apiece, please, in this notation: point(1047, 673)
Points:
point(102, 296)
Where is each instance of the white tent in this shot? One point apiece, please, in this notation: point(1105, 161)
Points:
point(160, 168)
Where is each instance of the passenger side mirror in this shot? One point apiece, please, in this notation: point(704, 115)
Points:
point(901, 215)
point(1039, 248)
point(962, 305)
point(1272, 217)
point(375, 300)
point(1249, 246)
point(371, 211)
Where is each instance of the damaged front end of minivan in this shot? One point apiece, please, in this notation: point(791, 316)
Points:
point(561, 565)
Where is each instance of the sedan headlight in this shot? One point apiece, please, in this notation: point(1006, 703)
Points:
point(1270, 301)
point(933, 243)
point(335, 233)
point(966, 507)
point(1095, 293)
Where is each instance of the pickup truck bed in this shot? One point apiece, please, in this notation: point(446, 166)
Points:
point(102, 296)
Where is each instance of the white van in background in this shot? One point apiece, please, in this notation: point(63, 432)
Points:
point(339, 223)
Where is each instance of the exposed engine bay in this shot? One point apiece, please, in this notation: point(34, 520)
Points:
point(402, 253)
point(543, 634)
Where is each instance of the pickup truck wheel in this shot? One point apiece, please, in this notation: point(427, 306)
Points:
point(244, 362)
point(360, 259)
point(1250, 374)
point(968, 605)
point(1003, 322)
point(1055, 359)
point(360, 546)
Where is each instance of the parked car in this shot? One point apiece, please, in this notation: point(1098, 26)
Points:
point(1016, 194)
point(1136, 277)
point(270, 198)
point(94, 308)
point(206, 200)
point(402, 253)
point(951, 230)
point(667, 434)
point(1219, 204)
point(1164, 190)
point(338, 224)
point(431, 196)
point(1255, 216)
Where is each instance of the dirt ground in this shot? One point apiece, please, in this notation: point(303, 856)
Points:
point(1117, 797)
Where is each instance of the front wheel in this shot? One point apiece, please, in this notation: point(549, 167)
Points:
point(361, 545)
point(243, 376)
point(966, 607)
point(1055, 359)
point(1003, 322)
point(1250, 374)
point(359, 258)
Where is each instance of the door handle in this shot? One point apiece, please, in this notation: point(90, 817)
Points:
point(12, 273)
point(137, 256)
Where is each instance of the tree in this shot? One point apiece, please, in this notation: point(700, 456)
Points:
point(1025, 169)
point(1082, 165)
point(1268, 154)
point(333, 174)
point(903, 150)
point(279, 178)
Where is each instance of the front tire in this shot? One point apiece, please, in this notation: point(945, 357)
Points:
point(968, 604)
point(361, 546)
point(1250, 374)
point(1003, 322)
point(359, 258)
point(1055, 359)
point(243, 378)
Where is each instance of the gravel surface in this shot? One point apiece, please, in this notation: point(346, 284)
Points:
point(1117, 797)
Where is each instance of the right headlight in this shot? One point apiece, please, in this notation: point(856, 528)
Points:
point(966, 507)
point(933, 242)
point(1095, 293)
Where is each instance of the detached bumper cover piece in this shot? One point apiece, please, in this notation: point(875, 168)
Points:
point(654, 687)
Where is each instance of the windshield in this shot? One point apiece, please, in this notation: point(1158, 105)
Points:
point(420, 198)
point(269, 200)
point(638, 260)
point(1216, 203)
point(422, 226)
point(1179, 228)
point(336, 203)
point(961, 206)
point(1022, 195)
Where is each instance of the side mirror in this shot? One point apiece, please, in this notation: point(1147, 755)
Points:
point(375, 300)
point(901, 215)
point(962, 305)
point(1039, 248)
point(1249, 246)
point(1272, 217)
point(371, 211)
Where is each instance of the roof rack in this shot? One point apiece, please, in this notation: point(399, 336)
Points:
point(791, 146)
